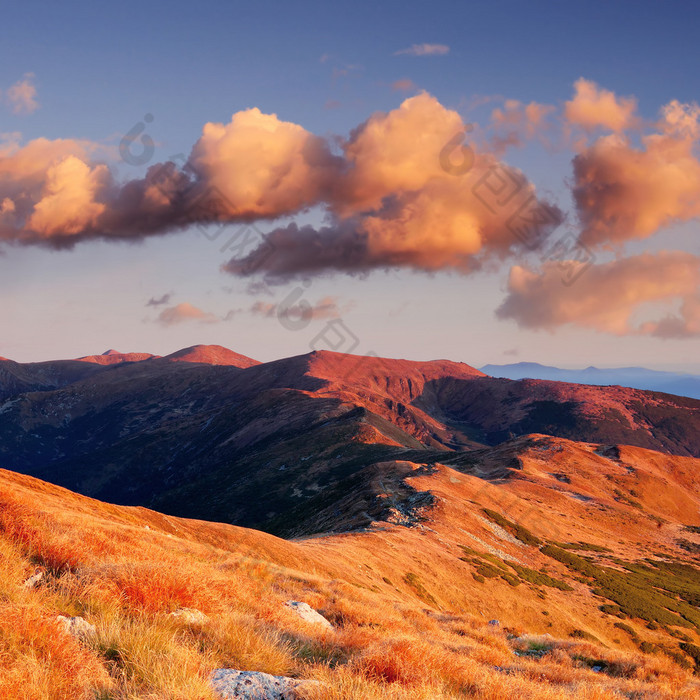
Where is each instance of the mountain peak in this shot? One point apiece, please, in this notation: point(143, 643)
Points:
point(211, 355)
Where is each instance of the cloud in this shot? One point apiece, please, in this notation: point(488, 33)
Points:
point(593, 107)
point(392, 198)
point(623, 192)
point(395, 205)
point(183, 313)
point(608, 297)
point(685, 324)
point(424, 50)
point(404, 85)
point(256, 166)
point(515, 122)
point(325, 308)
point(262, 166)
point(22, 96)
point(160, 301)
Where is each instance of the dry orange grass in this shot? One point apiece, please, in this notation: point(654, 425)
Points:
point(126, 569)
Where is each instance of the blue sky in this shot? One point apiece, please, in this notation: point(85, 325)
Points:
point(98, 69)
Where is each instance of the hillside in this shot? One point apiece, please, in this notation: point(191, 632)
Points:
point(202, 432)
point(542, 568)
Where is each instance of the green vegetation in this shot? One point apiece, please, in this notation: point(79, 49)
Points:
point(490, 566)
point(650, 593)
point(415, 583)
point(518, 531)
point(621, 497)
point(693, 651)
point(582, 546)
point(537, 578)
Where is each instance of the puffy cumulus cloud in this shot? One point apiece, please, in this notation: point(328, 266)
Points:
point(397, 204)
point(424, 50)
point(183, 313)
point(262, 166)
point(68, 204)
point(22, 96)
point(398, 196)
point(254, 167)
point(592, 107)
point(624, 192)
point(608, 297)
point(396, 152)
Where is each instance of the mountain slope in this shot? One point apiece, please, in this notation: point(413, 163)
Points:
point(444, 549)
point(205, 440)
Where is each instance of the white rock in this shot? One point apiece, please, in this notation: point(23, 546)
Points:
point(308, 614)
point(33, 581)
point(190, 616)
point(77, 626)
point(230, 684)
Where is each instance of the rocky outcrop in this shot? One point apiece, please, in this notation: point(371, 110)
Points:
point(78, 627)
point(308, 614)
point(251, 685)
point(190, 616)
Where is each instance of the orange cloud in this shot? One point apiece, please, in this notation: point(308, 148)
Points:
point(396, 205)
point(391, 198)
point(593, 107)
point(183, 313)
point(262, 166)
point(22, 96)
point(608, 297)
point(623, 192)
point(404, 85)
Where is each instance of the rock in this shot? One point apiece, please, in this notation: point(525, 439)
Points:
point(77, 626)
point(190, 616)
point(308, 614)
point(252, 685)
point(33, 581)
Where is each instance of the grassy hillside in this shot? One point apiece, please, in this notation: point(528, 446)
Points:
point(410, 599)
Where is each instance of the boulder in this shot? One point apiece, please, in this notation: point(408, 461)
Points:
point(77, 626)
point(230, 684)
point(35, 580)
point(190, 616)
point(308, 614)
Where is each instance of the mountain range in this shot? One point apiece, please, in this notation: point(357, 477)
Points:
point(200, 433)
point(678, 383)
point(464, 535)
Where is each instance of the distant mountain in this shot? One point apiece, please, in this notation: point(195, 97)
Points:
point(204, 432)
point(634, 377)
point(114, 357)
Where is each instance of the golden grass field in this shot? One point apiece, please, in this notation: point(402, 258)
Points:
point(411, 620)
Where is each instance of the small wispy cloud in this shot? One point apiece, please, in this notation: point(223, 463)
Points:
point(404, 85)
point(185, 312)
point(324, 308)
point(22, 95)
point(160, 301)
point(424, 50)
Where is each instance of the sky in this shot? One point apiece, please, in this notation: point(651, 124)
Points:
point(488, 182)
